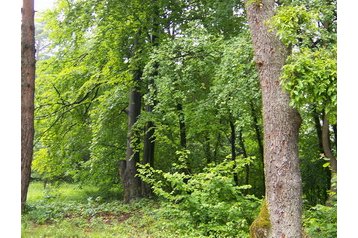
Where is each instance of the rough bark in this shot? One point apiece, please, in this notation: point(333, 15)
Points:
point(131, 183)
point(27, 95)
point(281, 127)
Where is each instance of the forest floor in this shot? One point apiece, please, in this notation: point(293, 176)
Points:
point(68, 210)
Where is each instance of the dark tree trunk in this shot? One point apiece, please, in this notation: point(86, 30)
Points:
point(327, 145)
point(206, 147)
point(233, 148)
point(335, 135)
point(149, 137)
point(148, 151)
point(258, 134)
point(217, 145)
point(281, 127)
point(328, 154)
point(28, 63)
point(131, 183)
point(317, 122)
point(182, 127)
point(244, 153)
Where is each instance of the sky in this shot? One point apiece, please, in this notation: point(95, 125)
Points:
point(41, 5)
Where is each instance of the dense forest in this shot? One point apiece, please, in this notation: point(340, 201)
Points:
point(176, 118)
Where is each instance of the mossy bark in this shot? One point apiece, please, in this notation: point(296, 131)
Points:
point(261, 226)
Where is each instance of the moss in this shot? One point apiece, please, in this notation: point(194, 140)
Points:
point(256, 2)
point(261, 225)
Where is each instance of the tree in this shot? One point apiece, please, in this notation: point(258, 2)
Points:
point(27, 94)
point(281, 126)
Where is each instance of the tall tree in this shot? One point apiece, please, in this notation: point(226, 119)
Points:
point(27, 94)
point(281, 126)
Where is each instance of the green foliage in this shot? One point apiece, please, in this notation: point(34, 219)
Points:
point(217, 207)
point(311, 78)
point(321, 221)
point(294, 24)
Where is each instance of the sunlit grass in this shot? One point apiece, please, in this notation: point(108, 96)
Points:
point(65, 192)
point(109, 219)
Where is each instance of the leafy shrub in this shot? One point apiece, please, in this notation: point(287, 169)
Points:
point(321, 221)
point(210, 200)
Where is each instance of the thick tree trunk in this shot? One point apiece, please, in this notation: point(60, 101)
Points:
point(281, 127)
point(131, 183)
point(27, 95)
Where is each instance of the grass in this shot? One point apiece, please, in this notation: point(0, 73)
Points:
point(68, 210)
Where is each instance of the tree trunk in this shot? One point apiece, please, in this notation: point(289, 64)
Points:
point(131, 183)
point(327, 145)
point(28, 64)
point(281, 127)
point(182, 127)
point(258, 139)
point(148, 151)
point(335, 135)
point(317, 122)
point(182, 131)
point(233, 149)
point(149, 137)
point(244, 153)
point(328, 153)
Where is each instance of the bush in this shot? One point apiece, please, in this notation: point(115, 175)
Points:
point(212, 201)
point(321, 221)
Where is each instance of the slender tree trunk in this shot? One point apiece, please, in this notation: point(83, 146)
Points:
point(148, 151)
point(328, 153)
point(244, 153)
point(216, 148)
point(149, 128)
point(281, 127)
point(28, 63)
point(335, 135)
point(233, 148)
point(327, 145)
point(318, 126)
point(131, 183)
point(182, 127)
point(258, 134)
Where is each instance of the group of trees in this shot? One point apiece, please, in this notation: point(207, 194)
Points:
point(166, 82)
